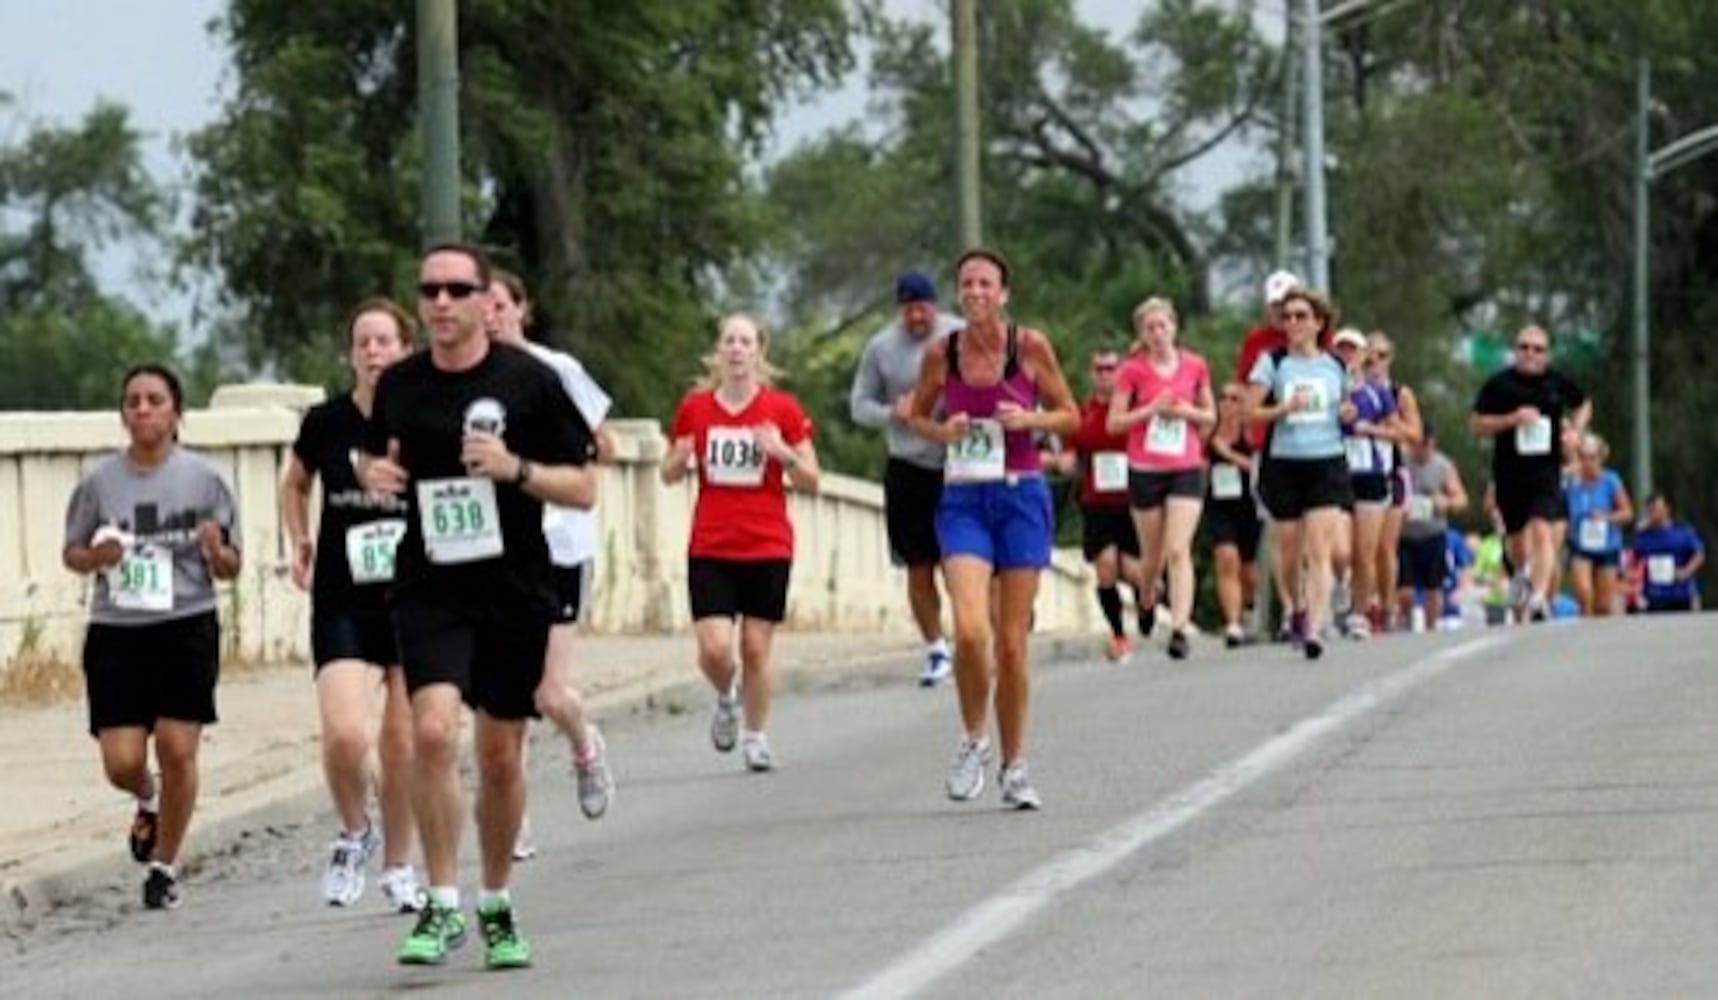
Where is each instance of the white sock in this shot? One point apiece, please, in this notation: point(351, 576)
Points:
point(938, 648)
point(445, 896)
point(152, 801)
point(162, 866)
point(486, 897)
point(751, 735)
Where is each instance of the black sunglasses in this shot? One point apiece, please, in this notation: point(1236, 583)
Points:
point(433, 290)
point(1533, 348)
point(1297, 314)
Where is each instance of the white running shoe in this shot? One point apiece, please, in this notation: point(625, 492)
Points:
point(725, 724)
point(966, 775)
point(938, 666)
point(401, 889)
point(1359, 627)
point(343, 881)
point(1017, 790)
point(596, 783)
point(756, 750)
point(524, 848)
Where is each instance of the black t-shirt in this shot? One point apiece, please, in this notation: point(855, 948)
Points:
point(354, 532)
point(1554, 395)
point(473, 544)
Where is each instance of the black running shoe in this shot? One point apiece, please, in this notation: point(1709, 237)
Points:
point(1178, 645)
point(160, 890)
point(144, 827)
point(1147, 621)
point(1313, 647)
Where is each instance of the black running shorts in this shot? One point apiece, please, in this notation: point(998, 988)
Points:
point(136, 674)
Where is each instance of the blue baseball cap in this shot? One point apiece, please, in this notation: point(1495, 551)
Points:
point(915, 287)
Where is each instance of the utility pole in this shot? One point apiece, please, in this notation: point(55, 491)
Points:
point(1641, 357)
point(1317, 235)
point(438, 101)
point(1285, 148)
point(967, 172)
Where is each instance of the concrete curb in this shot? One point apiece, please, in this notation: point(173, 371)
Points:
point(283, 798)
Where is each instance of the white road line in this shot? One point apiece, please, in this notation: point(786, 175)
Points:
point(1003, 913)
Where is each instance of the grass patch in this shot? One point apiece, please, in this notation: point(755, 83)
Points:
point(34, 677)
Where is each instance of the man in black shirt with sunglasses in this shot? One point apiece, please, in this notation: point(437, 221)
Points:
point(1526, 409)
point(475, 436)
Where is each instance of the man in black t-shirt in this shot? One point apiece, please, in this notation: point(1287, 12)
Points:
point(475, 436)
point(1525, 409)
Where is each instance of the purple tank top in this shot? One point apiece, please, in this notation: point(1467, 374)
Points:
point(1020, 451)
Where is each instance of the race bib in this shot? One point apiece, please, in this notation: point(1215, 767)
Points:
point(977, 457)
point(1166, 436)
point(1226, 482)
point(459, 519)
point(1310, 398)
point(733, 457)
point(143, 580)
point(1359, 454)
point(1661, 570)
point(1595, 535)
point(370, 549)
point(1109, 471)
point(1421, 508)
point(1387, 460)
point(1534, 438)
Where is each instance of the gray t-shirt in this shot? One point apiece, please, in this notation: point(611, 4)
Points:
point(1424, 483)
point(888, 368)
point(164, 575)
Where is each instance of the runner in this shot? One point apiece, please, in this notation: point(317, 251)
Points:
point(347, 566)
point(1163, 403)
point(1108, 538)
point(156, 525)
point(1370, 440)
point(1304, 479)
point(1404, 431)
point(1231, 516)
point(998, 384)
point(1671, 555)
point(1599, 507)
point(571, 534)
point(476, 436)
point(1435, 491)
point(913, 479)
point(749, 438)
point(1522, 409)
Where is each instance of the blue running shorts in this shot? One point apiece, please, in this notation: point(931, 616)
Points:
point(1008, 523)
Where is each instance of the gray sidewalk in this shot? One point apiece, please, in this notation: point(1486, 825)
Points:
point(63, 831)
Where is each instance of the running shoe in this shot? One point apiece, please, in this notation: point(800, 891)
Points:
point(1313, 647)
point(503, 946)
point(160, 889)
point(1234, 637)
point(1359, 626)
point(966, 776)
point(401, 889)
point(1017, 790)
point(1341, 600)
point(1178, 646)
point(343, 881)
point(596, 783)
point(524, 848)
point(1147, 620)
point(725, 724)
point(144, 828)
point(756, 750)
point(1297, 629)
point(938, 666)
point(1379, 621)
point(439, 930)
point(1118, 649)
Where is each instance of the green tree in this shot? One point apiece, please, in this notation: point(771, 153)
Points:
point(604, 151)
point(65, 195)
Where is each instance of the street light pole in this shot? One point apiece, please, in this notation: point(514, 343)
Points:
point(1285, 149)
point(1312, 64)
point(438, 103)
point(967, 172)
point(1641, 350)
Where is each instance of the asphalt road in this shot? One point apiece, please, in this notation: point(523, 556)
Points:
point(1523, 813)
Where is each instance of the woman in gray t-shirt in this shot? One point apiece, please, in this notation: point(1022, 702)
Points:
point(155, 525)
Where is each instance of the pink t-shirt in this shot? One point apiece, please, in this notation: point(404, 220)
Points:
point(1163, 444)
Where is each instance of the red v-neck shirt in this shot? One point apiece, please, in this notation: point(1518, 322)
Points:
point(743, 523)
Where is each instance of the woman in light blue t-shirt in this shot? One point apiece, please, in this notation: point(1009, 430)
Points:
point(1599, 506)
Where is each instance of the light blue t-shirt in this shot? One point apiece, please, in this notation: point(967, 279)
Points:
point(1589, 506)
point(1315, 432)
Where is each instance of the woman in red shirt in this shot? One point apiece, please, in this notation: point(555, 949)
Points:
point(1163, 402)
point(745, 438)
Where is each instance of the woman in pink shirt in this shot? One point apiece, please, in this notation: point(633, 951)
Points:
point(1163, 402)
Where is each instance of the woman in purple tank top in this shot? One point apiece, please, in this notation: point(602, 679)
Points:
point(998, 384)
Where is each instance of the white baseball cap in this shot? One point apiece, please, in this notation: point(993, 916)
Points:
point(1279, 284)
point(1349, 335)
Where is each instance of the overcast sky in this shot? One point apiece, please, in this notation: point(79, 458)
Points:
point(157, 59)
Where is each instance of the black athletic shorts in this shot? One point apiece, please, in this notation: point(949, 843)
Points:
point(1371, 489)
point(136, 674)
point(910, 498)
point(1146, 490)
point(1233, 522)
point(1290, 487)
point(494, 659)
point(749, 588)
point(1524, 498)
point(1424, 563)
point(572, 592)
point(342, 635)
point(1104, 527)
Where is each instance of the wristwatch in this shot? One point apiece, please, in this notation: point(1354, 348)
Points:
point(523, 476)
